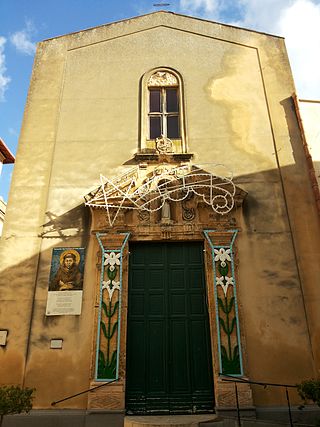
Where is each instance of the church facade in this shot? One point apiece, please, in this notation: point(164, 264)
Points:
point(162, 233)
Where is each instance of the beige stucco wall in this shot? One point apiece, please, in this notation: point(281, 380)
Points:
point(82, 118)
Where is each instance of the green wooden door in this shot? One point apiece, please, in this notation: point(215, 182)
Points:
point(169, 367)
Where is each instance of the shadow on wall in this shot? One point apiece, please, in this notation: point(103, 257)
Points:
point(23, 289)
point(264, 216)
point(264, 211)
point(73, 223)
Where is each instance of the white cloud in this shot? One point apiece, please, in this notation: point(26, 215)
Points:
point(297, 20)
point(22, 40)
point(4, 80)
point(206, 8)
point(300, 24)
point(262, 15)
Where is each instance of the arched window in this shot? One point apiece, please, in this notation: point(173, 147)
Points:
point(162, 110)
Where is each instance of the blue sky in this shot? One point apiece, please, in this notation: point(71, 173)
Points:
point(25, 22)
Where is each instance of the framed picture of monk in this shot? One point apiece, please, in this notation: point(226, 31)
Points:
point(65, 282)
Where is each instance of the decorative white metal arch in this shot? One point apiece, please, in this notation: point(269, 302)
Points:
point(148, 190)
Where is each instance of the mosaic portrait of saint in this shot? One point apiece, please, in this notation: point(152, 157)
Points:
point(66, 270)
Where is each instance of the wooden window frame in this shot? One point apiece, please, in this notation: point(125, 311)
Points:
point(163, 114)
point(145, 143)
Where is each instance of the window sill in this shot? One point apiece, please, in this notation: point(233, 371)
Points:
point(156, 157)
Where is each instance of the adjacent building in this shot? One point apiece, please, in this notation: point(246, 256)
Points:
point(310, 119)
point(5, 157)
point(162, 233)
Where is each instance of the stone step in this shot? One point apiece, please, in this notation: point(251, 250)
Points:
point(250, 422)
point(173, 421)
point(199, 421)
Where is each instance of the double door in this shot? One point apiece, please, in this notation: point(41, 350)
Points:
point(169, 365)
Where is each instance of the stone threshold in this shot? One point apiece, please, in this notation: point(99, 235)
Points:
point(169, 420)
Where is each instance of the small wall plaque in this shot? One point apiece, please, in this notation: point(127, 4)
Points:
point(3, 337)
point(65, 282)
point(56, 343)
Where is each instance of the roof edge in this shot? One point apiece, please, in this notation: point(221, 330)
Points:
point(166, 12)
point(4, 150)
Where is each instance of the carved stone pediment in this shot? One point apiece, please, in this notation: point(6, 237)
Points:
point(164, 145)
point(163, 78)
point(165, 193)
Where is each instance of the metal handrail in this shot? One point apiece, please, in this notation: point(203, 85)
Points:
point(235, 380)
point(229, 378)
point(82, 392)
point(244, 380)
